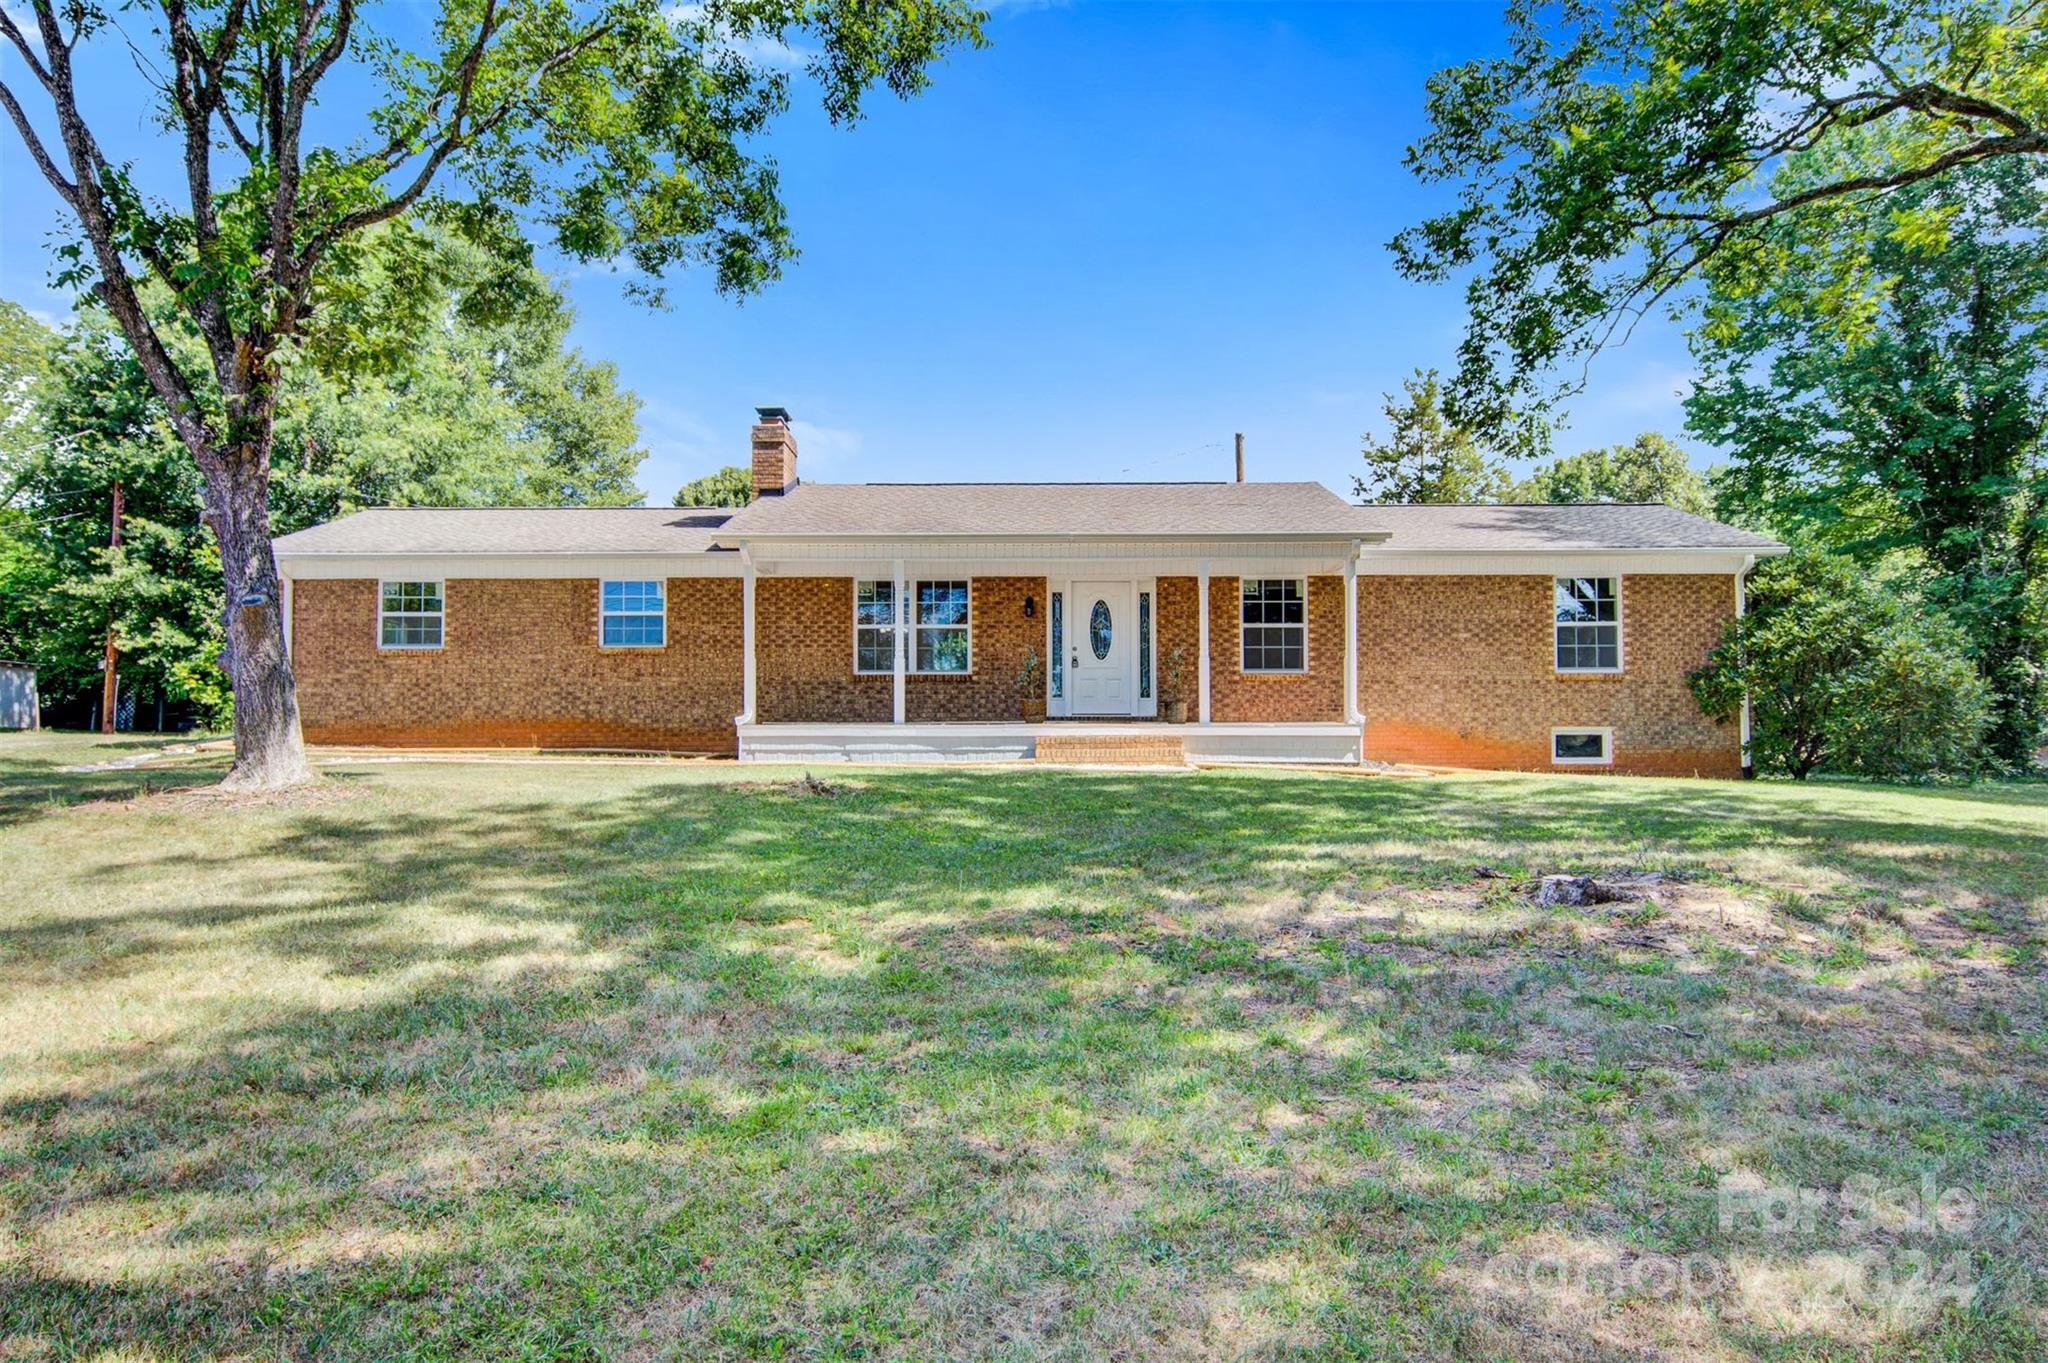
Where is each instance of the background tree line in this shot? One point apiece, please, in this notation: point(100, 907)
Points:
point(468, 393)
point(1886, 420)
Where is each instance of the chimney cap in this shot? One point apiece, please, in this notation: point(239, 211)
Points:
point(780, 414)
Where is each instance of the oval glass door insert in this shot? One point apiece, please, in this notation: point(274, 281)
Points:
point(1098, 630)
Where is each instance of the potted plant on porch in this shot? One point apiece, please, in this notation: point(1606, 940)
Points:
point(1031, 687)
point(1174, 700)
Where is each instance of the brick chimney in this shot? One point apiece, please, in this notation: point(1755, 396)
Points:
point(774, 453)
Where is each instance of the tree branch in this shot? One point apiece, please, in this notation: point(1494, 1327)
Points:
point(455, 138)
point(66, 191)
point(25, 48)
point(116, 288)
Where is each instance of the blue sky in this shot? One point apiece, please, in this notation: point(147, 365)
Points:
point(1095, 249)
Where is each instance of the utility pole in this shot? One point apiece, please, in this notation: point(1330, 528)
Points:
point(1240, 456)
point(108, 684)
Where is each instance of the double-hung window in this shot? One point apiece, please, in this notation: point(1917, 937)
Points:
point(409, 615)
point(942, 639)
point(1273, 624)
point(1588, 624)
point(632, 614)
point(939, 624)
point(874, 627)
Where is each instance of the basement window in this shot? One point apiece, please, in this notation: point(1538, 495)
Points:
point(1581, 747)
point(409, 615)
point(874, 627)
point(1273, 624)
point(632, 615)
point(1588, 611)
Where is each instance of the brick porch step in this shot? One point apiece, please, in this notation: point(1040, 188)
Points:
point(1114, 750)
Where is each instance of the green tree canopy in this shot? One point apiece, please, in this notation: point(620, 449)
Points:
point(1647, 469)
point(98, 423)
point(1924, 436)
point(25, 346)
point(1618, 152)
point(622, 132)
point(730, 486)
point(1424, 457)
point(1844, 675)
point(488, 407)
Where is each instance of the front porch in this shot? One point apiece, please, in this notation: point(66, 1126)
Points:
point(1111, 742)
point(929, 651)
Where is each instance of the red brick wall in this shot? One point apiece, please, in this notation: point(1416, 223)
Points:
point(1179, 628)
point(519, 666)
point(803, 639)
point(1314, 696)
point(1240, 697)
point(803, 655)
point(1452, 670)
point(1460, 671)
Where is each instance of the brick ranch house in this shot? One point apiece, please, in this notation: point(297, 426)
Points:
point(872, 622)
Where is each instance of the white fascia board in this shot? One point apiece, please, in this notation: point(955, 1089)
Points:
point(1547, 562)
point(442, 567)
point(1071, 538)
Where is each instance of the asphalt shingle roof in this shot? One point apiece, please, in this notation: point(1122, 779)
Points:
point(1021, 509)
point(513, 530)
point(1050, 509)
point(1585, 525)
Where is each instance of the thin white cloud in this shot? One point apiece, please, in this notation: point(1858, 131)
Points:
point(1649, 397)
point(824, 448)
point(25, 20)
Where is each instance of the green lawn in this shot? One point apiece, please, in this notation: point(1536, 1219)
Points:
point(679, 1060)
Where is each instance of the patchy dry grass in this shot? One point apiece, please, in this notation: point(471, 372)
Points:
point(649, 1062)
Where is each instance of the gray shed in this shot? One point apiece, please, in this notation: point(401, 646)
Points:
point(19, 708)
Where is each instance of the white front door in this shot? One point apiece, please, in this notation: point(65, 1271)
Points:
point(1100, 641)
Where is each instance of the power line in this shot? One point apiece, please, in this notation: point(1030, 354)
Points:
point(1168, 458)
point(68, 516)
point(57, 496)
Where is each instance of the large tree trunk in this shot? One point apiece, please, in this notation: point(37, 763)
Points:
point(270, 753)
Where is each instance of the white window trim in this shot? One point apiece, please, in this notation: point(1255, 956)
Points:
point(1244, 671)
point(377, 624)
point(909, 644)
point(895, 629)
point(1606, 758)
point(1620, 629)
point(602, 613)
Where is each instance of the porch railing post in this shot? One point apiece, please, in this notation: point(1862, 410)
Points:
point(747, 641)
point(1351, 715)
point(903, 618)
point(1202, 623)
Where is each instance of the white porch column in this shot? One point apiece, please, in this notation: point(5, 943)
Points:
point(1741, 605)
point(1351, 715)
point(902, 640)
point(1202, 622)
point(284, 606)
point(747, 642)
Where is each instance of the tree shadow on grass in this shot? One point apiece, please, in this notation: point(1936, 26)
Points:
point(949, 1064)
